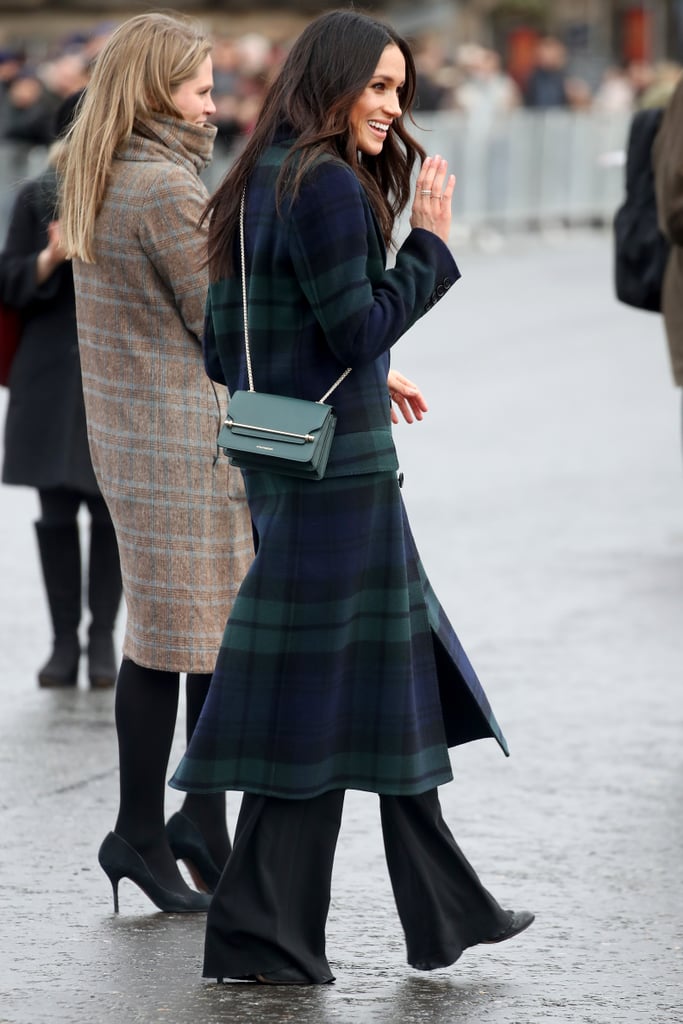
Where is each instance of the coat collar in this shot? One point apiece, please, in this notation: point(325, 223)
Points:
point(161, 137)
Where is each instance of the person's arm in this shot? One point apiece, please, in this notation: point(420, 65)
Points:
point(670, 207)
point(52, 256)
point(24, 276)
point(361, 318)
point(176, 245)
point(212, 363)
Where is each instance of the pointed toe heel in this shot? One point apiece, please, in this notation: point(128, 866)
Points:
point(188, 844)
point(519, 922)
point(118, 860)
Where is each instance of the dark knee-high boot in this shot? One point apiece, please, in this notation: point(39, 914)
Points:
point(60, 558)
point(145, 709)
point(104, 598)
point(198, 833)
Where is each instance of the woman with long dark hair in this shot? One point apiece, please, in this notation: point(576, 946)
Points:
point(338, 669)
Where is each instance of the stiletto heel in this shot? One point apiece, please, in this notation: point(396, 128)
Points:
point(119, 860)
point(115, 887)
point(188, 844)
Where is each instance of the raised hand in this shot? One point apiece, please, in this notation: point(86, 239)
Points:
point(433, 193)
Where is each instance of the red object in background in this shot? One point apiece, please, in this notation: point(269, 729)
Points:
point(636, 35)
point(521, 48)
point(10, 335)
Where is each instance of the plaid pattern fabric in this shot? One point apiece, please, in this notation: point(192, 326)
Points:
point(320, 299)
point(181, 520)
point(338, 668)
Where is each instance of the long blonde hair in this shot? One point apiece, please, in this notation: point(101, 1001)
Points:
point(135, 75)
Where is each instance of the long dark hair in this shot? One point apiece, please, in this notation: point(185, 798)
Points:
point(325, 72)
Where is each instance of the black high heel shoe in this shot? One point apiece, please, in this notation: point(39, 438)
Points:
point(519, 921)
point(119, 860)
point(188, 844)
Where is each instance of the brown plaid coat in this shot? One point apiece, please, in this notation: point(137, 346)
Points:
point(181, 518)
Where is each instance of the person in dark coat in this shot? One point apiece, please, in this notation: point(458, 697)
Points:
point(46, 444)
point(338, 668)
point(547, 85)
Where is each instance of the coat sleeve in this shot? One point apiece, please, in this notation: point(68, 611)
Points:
point(331, 241)
point(175, 244)
point(667, 153)
point(26, 237)
point(669, 190)
point(212, 363)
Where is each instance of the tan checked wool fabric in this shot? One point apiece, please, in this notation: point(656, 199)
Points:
point(181, 519)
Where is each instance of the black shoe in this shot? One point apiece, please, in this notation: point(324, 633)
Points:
point(61, 668)
point(188, 844)
point(519, 921)
point(285, 976)
point(102, 667)
point(119, 860)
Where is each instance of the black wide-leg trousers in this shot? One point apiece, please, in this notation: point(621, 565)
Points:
point(270, 908)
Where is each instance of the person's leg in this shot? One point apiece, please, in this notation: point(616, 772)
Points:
point(198, 833)
point(442, 904)
point(268, 915)
point(60, 558)
point(146, 705)
point(104, 594)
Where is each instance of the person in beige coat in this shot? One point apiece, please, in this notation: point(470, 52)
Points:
point(132, 200)
point(667, 159)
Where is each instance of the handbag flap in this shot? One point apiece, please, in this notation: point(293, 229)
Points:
point(291, 420)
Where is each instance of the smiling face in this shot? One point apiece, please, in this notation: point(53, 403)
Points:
point(193, 97)
point(378, 105)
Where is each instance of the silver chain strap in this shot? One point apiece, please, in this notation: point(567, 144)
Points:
point(247, 349)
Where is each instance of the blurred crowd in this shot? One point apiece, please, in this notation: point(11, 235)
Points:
point(32, 87)
point(472, 78)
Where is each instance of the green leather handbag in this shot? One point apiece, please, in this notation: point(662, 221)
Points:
point(277, 433)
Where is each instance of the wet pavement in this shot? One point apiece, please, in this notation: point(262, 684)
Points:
point(545, 490)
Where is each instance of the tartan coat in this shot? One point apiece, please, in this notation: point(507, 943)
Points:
point(180, 516)
point(338, 667)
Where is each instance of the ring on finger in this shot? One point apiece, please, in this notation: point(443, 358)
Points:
point(425, 191)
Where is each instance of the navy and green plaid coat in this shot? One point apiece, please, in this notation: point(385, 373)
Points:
point(338, 667)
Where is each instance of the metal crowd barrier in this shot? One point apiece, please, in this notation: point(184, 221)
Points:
point(525, 169)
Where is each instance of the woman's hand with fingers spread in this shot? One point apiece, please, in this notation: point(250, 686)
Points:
point(407, 397)
point(433, 194)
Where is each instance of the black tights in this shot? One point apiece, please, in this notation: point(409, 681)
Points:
point(59, 506)
point(146, 707)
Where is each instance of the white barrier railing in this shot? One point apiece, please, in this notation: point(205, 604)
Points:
point(522, 169)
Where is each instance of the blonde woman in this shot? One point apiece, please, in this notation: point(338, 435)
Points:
point(131, 204)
